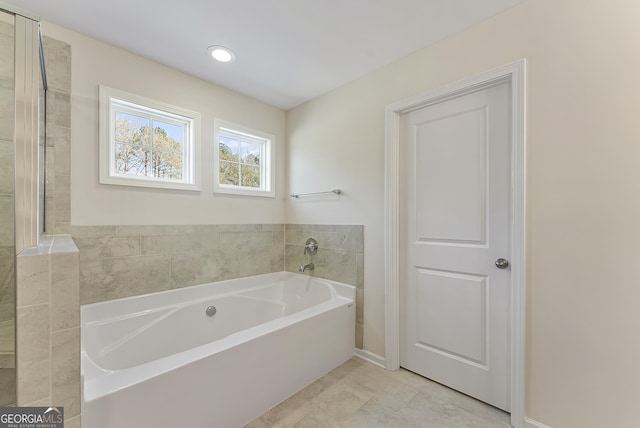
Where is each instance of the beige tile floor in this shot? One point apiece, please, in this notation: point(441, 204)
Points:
point(361, 394)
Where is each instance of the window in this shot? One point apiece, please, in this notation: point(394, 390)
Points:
point(243, 160)
point(147, 143)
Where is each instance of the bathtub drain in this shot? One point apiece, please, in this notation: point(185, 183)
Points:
point(211, 311)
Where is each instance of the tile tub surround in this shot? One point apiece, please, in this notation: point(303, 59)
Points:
point(123, 261)
point(48, 326)
point(340, 258)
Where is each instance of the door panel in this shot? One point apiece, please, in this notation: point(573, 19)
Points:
point(456, 212)
point(451, 314)
point(455, 223)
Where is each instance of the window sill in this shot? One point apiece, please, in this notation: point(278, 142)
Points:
point(244, 192)
point(149, 183)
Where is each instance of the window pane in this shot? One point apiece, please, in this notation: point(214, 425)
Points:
point(123, 156)
point(132, 160)
point(132, 129)
point(250, 153)
point(229, 149)
point(229, 173)
point(147, 143)
point(250, 176)
point(167, 165)
point(167, 136)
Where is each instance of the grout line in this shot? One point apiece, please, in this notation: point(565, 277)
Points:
point(409, 400)
point(32, 306)
point(62, 330)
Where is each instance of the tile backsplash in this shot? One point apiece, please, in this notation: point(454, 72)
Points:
point(123, 261)
point(340, 258)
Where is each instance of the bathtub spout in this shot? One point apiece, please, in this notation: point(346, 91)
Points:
point(308, 266)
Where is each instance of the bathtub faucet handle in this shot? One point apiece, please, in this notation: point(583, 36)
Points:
point(311, 247)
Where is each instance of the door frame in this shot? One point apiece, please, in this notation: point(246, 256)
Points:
point(515, 75)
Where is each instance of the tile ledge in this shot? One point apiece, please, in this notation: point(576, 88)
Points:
point(51, 244)
point(63, 244)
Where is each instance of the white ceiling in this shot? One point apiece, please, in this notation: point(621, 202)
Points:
point(288, 51)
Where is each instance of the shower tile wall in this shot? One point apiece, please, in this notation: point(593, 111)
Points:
point(340, 258)
point(48, 309)
point(48, 326)
point(58, 158)
point(122, 261)
point(7, 245)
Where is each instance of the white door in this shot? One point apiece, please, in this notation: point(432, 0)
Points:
point(455, 225)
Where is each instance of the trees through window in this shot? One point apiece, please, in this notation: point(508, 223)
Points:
point(243, 160)
point(140, 152)
point(147, 143)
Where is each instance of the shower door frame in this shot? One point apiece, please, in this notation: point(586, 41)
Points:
point(28, 74)
point(27, 130)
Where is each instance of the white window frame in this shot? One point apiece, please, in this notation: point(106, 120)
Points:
point(113, 100)
point(267, 160)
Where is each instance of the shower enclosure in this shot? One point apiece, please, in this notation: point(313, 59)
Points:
point(22, 161)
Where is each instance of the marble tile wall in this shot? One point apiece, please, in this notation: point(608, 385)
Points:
point(7, 217)
point(340, 258)
point(58, 168)
point(48, 327)
point(122, 261)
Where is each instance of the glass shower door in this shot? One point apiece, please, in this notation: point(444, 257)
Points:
point(7, 211)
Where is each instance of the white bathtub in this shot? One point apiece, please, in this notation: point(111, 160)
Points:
point(159, 361)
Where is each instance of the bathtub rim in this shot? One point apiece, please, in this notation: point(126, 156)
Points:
point(193, 293)
point(98, 382)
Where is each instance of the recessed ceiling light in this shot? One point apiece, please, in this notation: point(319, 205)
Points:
point(220, 53)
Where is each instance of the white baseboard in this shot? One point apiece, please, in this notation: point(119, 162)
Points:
point(370, 356)
point(530, 423)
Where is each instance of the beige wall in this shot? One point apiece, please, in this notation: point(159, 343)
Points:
point(583, 192)
point(95, 63)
